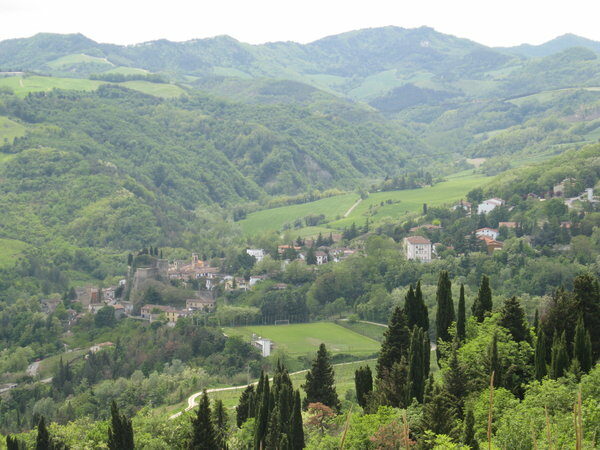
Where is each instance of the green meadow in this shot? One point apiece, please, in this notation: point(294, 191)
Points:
point(305, 338)
point(9, 130)
point(163, 90)
point(77, 58)
point(275, 218)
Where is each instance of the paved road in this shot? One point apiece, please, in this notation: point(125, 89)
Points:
point(192, 398)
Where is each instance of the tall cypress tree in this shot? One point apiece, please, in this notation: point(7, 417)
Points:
point(296, 440)
point(261, 426)
point(455, 379)
point(560, 358)
point(423, 321)
point(461, 319)
point(512, 317)
point(582, 346)
point(12, 443)
point(494, 361)
point(445, 311)
point(203, 431)
point(411, 311)
point(320, 382)
point(586, 291)
point(219, 418)
point(536, 321)
point(245, 407)
point(468, 437)
point(483, 301)
point(363, 381)
point(396, 341)
point(42, 441)
point(120, 433)
point(439, 412)
point(541, 369)
point(416, 362)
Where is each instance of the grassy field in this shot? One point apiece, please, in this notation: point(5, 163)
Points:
point(366, 329)
point(10, 250)
point(24, 85)
point(275, 218)
point(48, 365)
point(411, 201)
point(9, 130)
point(300, 339)
point(77, 58)
point(127, 71)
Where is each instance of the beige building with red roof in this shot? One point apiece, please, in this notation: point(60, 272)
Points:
point(417, 248)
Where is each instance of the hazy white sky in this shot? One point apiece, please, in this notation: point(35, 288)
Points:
point(491, 22)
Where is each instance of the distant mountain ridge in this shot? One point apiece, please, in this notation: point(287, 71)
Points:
point(362, 65)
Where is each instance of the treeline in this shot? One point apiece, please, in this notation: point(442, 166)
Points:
point(122, 77)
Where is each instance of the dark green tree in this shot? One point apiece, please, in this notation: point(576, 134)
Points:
point(120, 432)
point(416, 365)
point(203, 431)
point(261, 427)
point(42, 441)
point(582, 346)
point(245, 407)
point(363, 381)
point(439, 412)
point(12, 443)
point(512, 317)
point(445, 307)
point(536, 321)
point(221, 425)
point(455, 380)
point(461, 318)
point(396, 341)
point(410, 308)
point(483, 301)
point(320, 382)
point(297, 431)
point(394, 388)
point(587, 304)
point(559, 362)
point(494, 362)
point(423, 320)
point(311, 258)
point(468, 437)
point(541, 370)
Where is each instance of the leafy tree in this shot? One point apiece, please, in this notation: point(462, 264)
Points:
point(512, 317)
point(105, 317)
point(483, 301)
point(461, 318)
point(396, 341)
point(120, 432)
point(311, 258)
point(320, 382)
point(445, 307)
point(363, 381)
point(203, 431)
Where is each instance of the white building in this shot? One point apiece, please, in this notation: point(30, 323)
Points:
point(489, 205)
point(264, 345)
point(258, 253)
point(489, 232)
point(417, 248)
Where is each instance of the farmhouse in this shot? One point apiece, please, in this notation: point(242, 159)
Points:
point(465, 206)
point(151, 312)
point(491, 244)
point(264, 345)
point(202, 302)
point(258, 253)
point(489, 205)
point(488, 232)
point(417, 248)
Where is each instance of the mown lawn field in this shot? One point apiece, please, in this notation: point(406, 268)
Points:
point(275, 218)
point(370, 330)
point(163, 90)
point(305, 338)
point(411, 201)
point(77, 58)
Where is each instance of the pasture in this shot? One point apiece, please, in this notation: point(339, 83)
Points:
point(305, 338)
point(9, 130)
point(274, 218)
point(10, 251)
